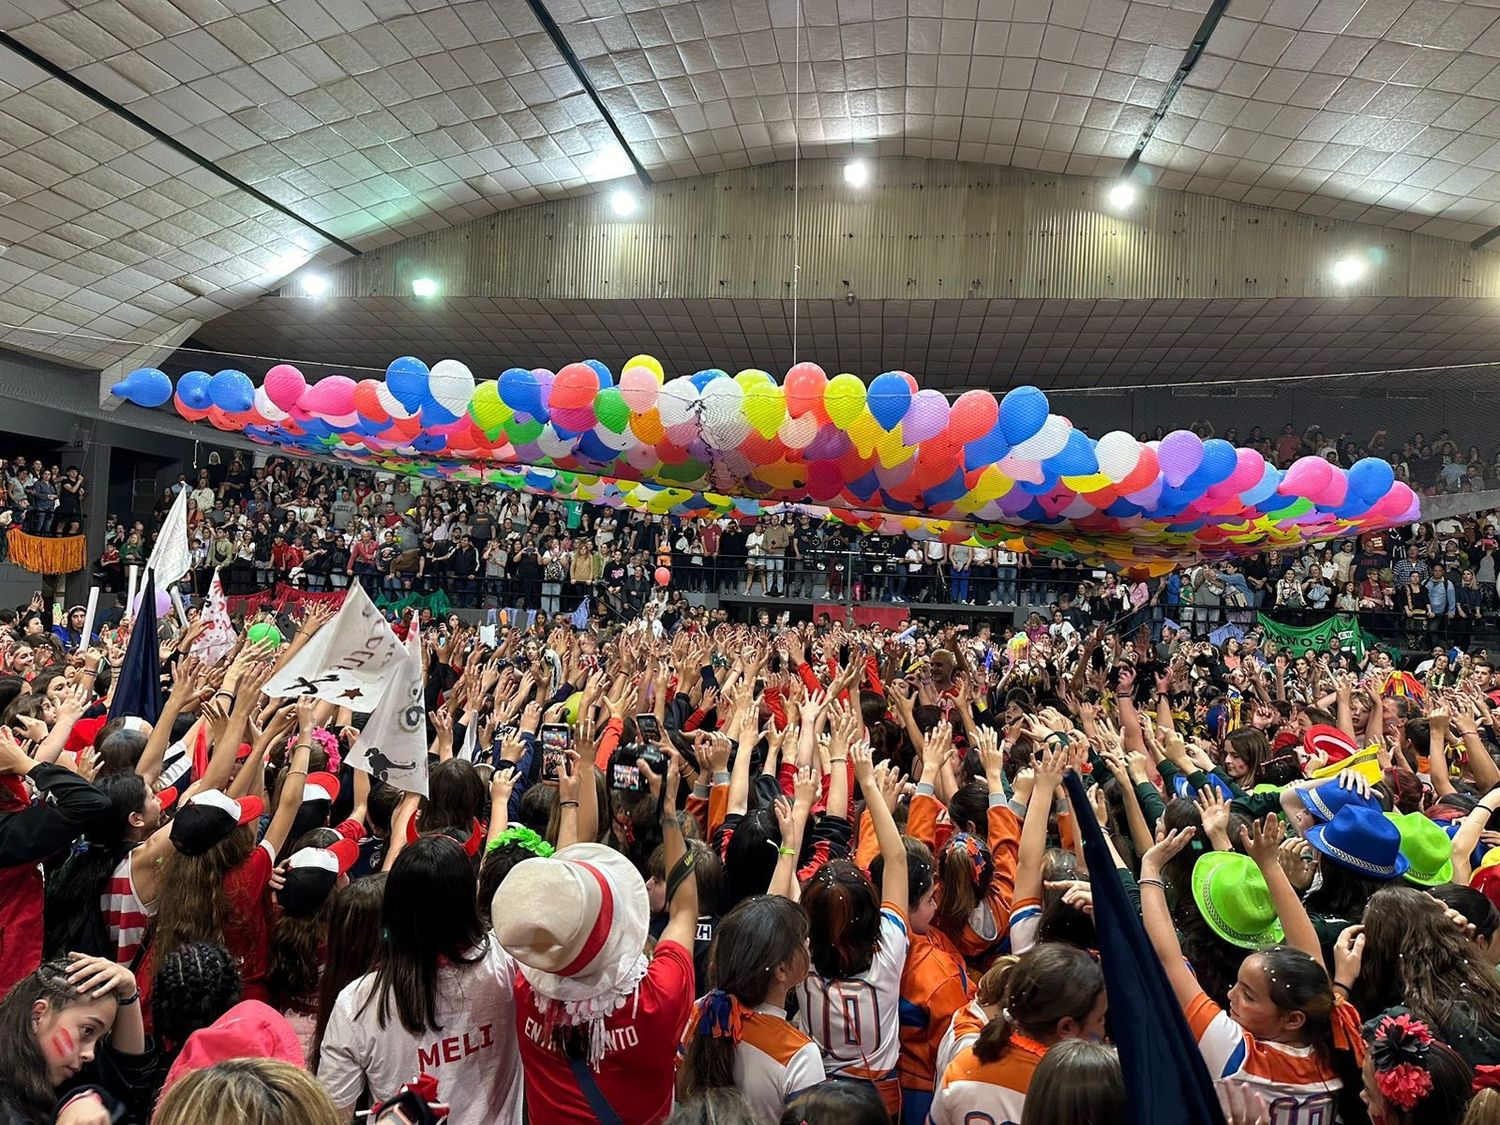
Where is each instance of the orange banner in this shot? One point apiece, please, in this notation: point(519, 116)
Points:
point(43, 554)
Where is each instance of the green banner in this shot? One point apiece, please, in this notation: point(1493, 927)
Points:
point(1314, 638)
point(437, 601)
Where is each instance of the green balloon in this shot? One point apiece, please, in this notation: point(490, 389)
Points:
point(611, 410)
point(263, 631)
point(522, 431)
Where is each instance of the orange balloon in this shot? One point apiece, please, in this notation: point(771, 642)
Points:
point(647, 427)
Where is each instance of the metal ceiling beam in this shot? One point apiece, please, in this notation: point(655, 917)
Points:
point(46, 65)
point(1190, 59)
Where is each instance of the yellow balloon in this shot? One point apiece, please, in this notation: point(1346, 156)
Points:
point(844, 398)
point(864, 432)
point(892, 451)
point(571, 705)
point(649, 362)
point(765, 407)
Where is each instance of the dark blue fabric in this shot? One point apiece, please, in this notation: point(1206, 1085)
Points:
point(138, 690)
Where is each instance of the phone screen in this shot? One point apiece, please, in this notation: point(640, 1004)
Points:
point(624, 775)
point(557, 740)
point(649, 728)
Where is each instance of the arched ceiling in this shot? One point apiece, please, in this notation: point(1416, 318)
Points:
point(243, 137)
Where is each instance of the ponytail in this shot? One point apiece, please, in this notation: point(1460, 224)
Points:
point(1049, 983)
point(1297, 982)
point(967, 870)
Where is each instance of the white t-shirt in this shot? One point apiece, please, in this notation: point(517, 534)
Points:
point(474, 1055)
point(855, 1021)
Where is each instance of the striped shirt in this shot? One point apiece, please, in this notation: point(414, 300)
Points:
point(1299, 1086)
point(124, 913)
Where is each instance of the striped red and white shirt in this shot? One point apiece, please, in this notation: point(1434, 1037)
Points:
point(124, 913)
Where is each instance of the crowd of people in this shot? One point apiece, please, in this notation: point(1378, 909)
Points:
point(323, 526)
point(673, 868)
point(41, 499)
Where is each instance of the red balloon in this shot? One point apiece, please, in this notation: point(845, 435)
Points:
point(575, 386)
point(936, 460)
point(804, 388)
point(663, 575)
point(824, 480)
point(1142, 475)
point(973, 416)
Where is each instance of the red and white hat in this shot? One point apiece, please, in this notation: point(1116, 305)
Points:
point(312, 873)
point(576, 921)
point(320, 786)
point(1324, 739)
point(209, 817)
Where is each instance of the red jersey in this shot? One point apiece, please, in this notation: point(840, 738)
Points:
point(639, 1068)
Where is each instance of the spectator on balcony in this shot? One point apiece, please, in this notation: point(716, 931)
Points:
point(42, 493)
point(70, 495)
point(1411, 564)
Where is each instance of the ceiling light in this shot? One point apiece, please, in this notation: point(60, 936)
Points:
point(608, 164)
point(314, 284)
point(1346, 271)
point(283, 264)
point(623, 203)
point(856, 173)
point(424, 287)
point(1121, 195)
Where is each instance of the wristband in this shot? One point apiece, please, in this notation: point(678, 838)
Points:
point(567, 804)
point(721, 777)
point(1346, 987)
point(1152, 883)
point(781, 849)
point(129, 1000)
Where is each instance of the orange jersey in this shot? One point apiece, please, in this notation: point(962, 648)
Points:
point(773, 1061)
point(962, 1033)
point(988, 923)
point(934, 985)
point(974, 1091)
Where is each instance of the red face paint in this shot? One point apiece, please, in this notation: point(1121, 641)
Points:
point(61, 1043)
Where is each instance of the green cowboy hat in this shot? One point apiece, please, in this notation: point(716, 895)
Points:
point(1426, 846)
point(1232, 895)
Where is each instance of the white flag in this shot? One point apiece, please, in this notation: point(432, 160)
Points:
point(170, 558)
point(217, 640)
point(351, 660)
point(393, 745)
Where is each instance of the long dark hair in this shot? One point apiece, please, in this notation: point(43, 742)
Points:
point(843, 913)
point(1447, 984)
point(428, 917)
point(750, 856)
point(457, 797)
point(1251, 747)
point(751, 941)
point(74, 923)
point(965, 880)
point(296, 947)
point(1050, 982)
point(1077, 1083)
point(353, 942)
point(1344, 892)
point(193, 905)
point(23, 1079)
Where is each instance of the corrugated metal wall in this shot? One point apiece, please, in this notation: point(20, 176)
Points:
point(919, 230)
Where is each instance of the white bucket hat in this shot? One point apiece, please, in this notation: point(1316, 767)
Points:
point(576, 922)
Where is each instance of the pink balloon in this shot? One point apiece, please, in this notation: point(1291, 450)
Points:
point(663, 576)
point(1333, 494)
point(285, 385)
point(1307, 476)
point(329, 398)
point(639, 388)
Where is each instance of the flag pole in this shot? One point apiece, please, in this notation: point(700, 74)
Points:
point(88, 619)
point(135, 577)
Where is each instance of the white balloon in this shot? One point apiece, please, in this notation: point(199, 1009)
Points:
point(1049, 441)
point(798, 433)
point(266, 408)
point(391, 403)
point(552, 444)
point(1118, 454)
point(677, 401)
point(451, 385)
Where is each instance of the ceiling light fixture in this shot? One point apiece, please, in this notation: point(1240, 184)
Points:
point(424, 287)
point(623, 203)
point(856, 173)
point(1121, 195)
point(608, 164)
point(314, 285)
point(1346, 271)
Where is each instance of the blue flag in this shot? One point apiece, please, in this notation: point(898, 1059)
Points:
point(1166, 1080)
point(138, 690)
point(581, 615)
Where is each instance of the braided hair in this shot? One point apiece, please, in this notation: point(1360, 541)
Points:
point(195, 985)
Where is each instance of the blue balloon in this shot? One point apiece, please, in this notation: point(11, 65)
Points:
point(950, 489)
point(704, 378)
point(429, 443)
point(436, 414)
point(865, 486)
point(232, 391)
point(518, 389)
point(145, 386)
point(1257, 494)
point(1048, 483)
point(1219, 461)
point(591, 447)
point(192, 388)
point(985, 451)
point(406, 378)
point(1077, 458)
point(1370, 478)
point(895, 505)
point(888, 398)
point(605, 378)
point(1123, 509)
point(1022, 412)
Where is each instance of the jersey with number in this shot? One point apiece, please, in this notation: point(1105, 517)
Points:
point(984, 1093)
point(1298, 1085)
point(855, 1020)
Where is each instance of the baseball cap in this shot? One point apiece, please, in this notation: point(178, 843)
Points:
point(209, 817)
point(312, 873)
